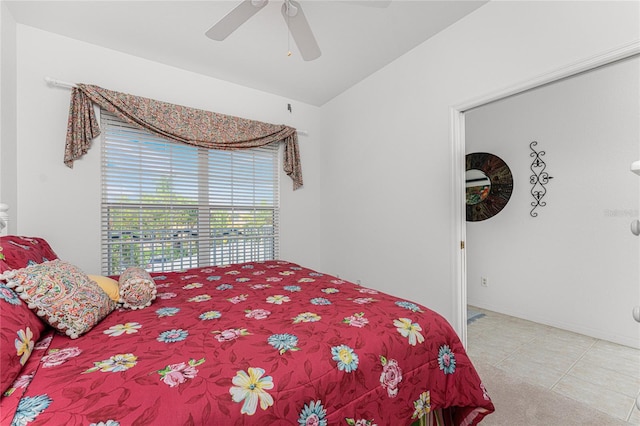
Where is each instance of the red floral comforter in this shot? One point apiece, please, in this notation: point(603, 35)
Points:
point(257, 344)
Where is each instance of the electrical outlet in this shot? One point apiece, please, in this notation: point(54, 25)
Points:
point(484, 281)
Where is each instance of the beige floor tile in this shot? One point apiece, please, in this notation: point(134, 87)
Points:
point(618, 352)
point(565, 354)
point(531, 371)
point(634, 418)
point(612, 361)
point(613, 403)
point(618, 348)
point(609, 379)
point(559, 359)
point(565, 341)
point(492, 357)
point(501, 342)
point(515, 334)
point(600, 373)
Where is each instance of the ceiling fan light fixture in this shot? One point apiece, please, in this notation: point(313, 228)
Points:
point(289, 9)
point(300, 30)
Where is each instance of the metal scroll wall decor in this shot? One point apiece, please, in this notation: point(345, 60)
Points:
point(489, 185)
point(539, 179)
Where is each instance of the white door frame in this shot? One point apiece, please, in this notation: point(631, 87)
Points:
point(457, 137)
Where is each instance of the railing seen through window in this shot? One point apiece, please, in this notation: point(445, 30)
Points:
point(169, 206)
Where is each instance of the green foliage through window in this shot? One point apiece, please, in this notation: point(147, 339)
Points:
point(169, 206)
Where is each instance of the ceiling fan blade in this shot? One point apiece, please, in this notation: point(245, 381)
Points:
point(300, 30)
point(232, 20)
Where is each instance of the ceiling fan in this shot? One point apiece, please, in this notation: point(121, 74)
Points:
point(293, 16)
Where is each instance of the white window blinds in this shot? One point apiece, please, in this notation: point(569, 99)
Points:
point(169, 206)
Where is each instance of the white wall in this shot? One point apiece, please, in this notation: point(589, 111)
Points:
point(387, 151)
point(8, 136)
point(382, 211)
point(63, 205)
point(575, 265)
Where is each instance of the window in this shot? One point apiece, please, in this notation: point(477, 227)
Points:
point(169, 206)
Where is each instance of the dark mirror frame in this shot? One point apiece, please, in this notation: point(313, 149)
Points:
point(501, 185)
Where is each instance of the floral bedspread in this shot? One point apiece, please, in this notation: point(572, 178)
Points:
point(253, 344)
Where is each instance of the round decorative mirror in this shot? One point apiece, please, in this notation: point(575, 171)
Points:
point(478, 186)
point(489, 185)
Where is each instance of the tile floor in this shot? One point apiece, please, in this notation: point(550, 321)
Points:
point(602, 374)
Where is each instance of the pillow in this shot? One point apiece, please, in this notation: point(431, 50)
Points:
point(19, 252)
point(20, 329)
point(108, 285)
point(62, 295)
point(137, 288)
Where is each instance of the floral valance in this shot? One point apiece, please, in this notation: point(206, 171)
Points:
point(174, 122)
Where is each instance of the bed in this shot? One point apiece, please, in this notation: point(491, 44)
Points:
point(255, 343)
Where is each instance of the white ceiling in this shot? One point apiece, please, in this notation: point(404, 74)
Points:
point(356, 37)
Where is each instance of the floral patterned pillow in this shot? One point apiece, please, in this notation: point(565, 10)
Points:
point(137, 288)
point(62, 295)
point(20, 329)
point(19, 252)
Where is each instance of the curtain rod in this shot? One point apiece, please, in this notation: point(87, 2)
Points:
point(53, 82)
point(59, 83)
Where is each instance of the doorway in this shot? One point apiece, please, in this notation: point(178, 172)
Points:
point(459, 118)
